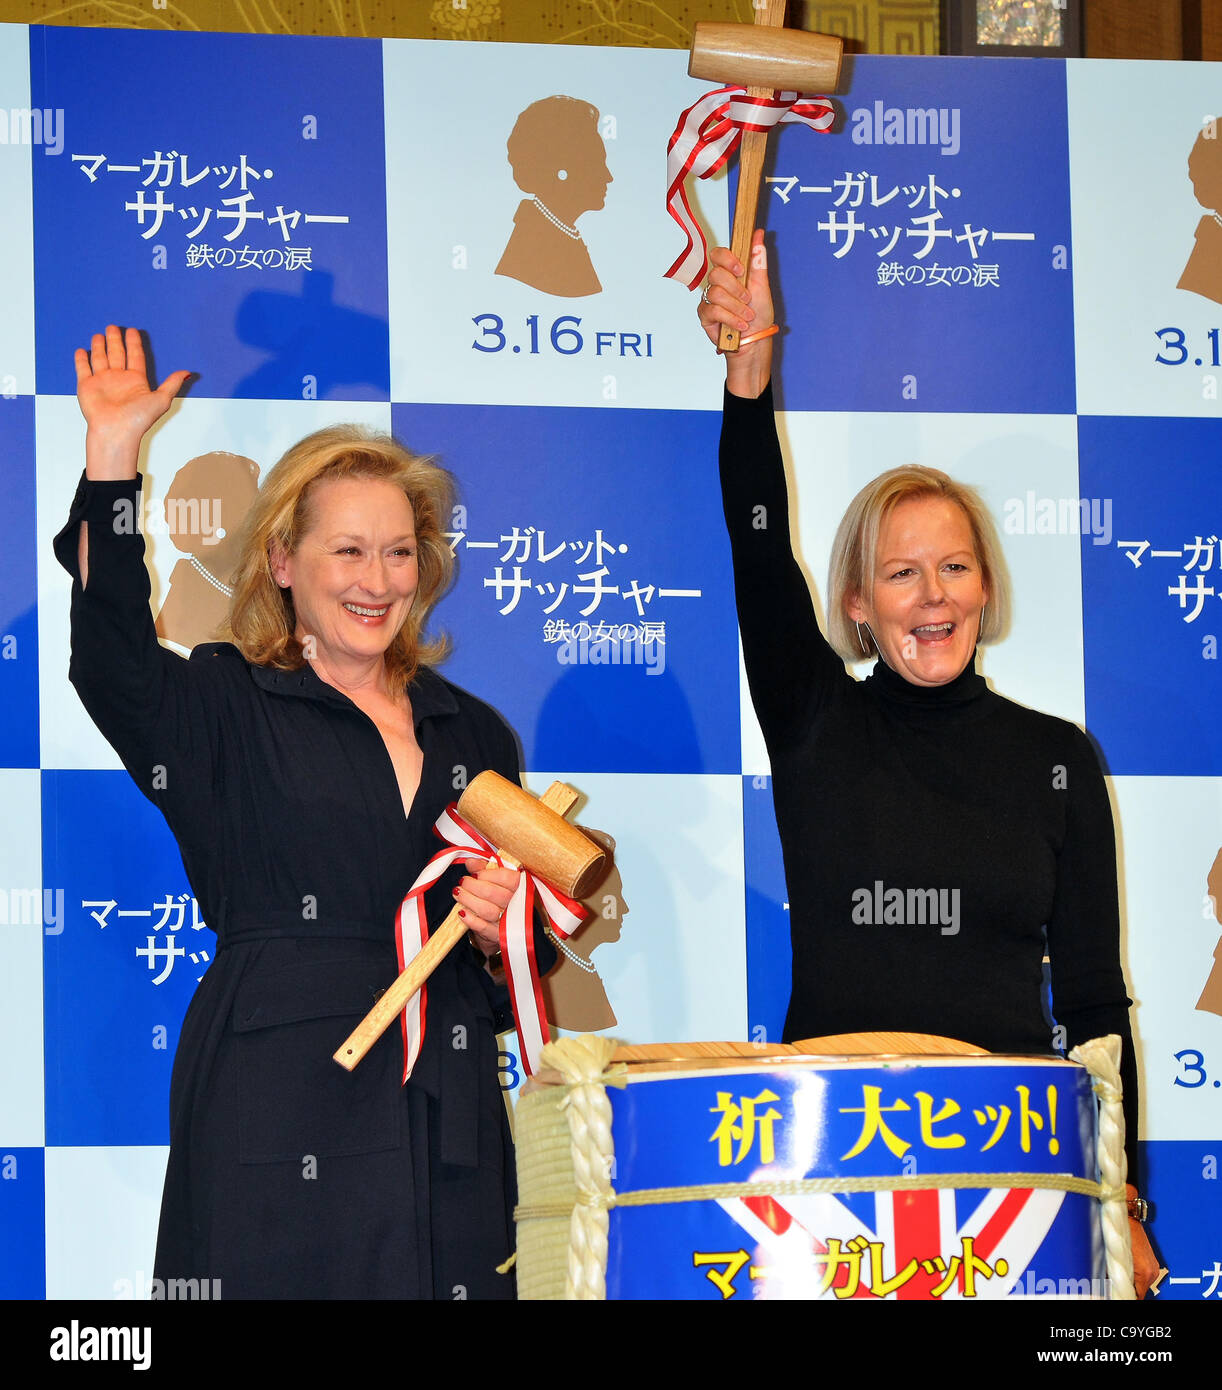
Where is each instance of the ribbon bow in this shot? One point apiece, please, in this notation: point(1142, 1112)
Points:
point(708, 133)
point(564, 914)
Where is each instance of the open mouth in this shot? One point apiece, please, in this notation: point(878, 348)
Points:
point(371, 613)
point(934, 632)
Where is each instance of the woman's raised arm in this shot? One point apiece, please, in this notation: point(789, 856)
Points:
point(790, 666)
point(112, 389)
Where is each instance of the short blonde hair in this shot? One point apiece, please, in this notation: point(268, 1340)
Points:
point(855, 553)
point(262, 620)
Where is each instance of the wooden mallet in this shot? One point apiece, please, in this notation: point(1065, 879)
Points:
point(765, 58)
point(537, 836)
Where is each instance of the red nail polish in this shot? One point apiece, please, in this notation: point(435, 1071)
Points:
point(462, 914)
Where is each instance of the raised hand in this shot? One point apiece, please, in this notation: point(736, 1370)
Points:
point(119, 406)
point(745, 307)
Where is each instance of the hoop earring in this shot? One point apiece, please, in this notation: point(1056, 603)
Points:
point(980, 625)
point(861, 640)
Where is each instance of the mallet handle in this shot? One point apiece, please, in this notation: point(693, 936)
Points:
point(560, 798)
point(750, 171)
point(770, 14)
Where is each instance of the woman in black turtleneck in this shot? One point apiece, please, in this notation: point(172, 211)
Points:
point(919, 777)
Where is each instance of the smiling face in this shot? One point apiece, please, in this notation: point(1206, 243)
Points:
point(929, 591)
point(354, 573)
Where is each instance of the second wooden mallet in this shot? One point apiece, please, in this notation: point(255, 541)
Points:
point(765, 58)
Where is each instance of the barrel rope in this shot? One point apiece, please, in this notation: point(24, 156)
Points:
point(802, 1187)
point(1101, 1057)
point(583, 1063)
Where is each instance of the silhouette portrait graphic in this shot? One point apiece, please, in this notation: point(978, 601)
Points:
point(573, 993)
point(204, 510)
point(1211, 996)
point(558, 157)
point(1203, 273)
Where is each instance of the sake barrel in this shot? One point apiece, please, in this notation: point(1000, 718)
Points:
point(741, 1174)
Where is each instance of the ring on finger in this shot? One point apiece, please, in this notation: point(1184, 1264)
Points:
point(704, 298)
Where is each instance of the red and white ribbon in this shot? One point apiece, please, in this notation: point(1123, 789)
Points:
point(517, 938)
point(708, 133)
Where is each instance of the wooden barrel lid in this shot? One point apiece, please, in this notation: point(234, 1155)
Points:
point(665, 1056)
point(695, 1056)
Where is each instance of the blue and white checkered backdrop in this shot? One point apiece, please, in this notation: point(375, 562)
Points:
point(980, 270)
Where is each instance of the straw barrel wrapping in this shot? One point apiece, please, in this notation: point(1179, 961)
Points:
point(565, 1156)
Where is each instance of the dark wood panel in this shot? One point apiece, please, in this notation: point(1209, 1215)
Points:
point(1133, 28)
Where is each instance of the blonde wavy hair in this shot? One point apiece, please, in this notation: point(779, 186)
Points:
point(262, 620)
point(855, 551)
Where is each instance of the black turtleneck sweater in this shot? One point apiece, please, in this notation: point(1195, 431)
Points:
point(884, 785)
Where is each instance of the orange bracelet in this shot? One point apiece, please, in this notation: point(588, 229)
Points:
point(755, 337)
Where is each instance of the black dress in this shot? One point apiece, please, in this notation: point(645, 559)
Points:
point(289, 1177)
point(880, 784)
